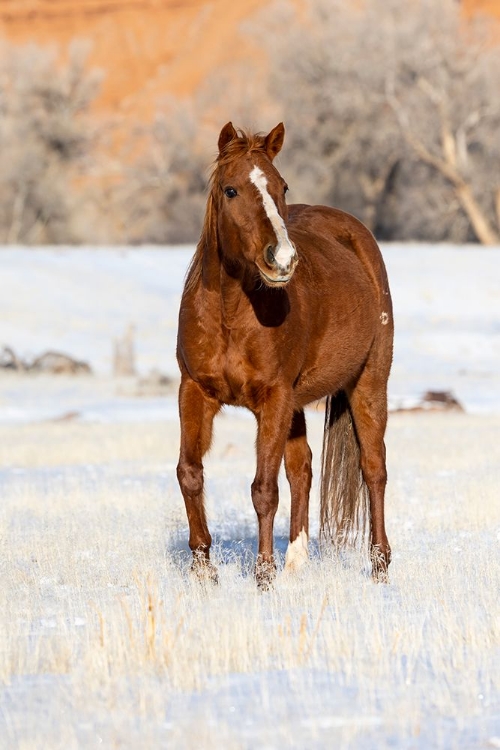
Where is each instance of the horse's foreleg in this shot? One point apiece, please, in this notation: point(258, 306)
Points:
point(196, 412)
point(369, 410)
point(273, 421)
point(299, 474)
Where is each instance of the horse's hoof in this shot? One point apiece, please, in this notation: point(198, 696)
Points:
point(204, 570)
point(380, 576)
point(297, 554)
point(380, 564)
point(265, 574)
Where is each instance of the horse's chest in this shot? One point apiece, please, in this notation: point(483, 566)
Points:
point(231, 374)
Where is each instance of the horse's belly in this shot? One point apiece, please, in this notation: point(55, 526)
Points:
point(333, 366)
point(313, 388)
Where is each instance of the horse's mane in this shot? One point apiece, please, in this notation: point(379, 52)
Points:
point(245, 143)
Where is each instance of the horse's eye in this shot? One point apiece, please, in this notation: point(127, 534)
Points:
point(230, 192)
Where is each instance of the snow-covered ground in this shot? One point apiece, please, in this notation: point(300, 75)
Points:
point(446, 309)
point(104, 638)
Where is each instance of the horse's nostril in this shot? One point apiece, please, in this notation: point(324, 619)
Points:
point(269, 255)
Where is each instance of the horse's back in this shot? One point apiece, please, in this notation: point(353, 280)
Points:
point(331, 227)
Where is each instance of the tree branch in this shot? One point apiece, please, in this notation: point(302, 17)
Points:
point(446, 166)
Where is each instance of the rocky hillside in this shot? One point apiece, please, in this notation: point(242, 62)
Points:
point(149, 48)
point(146, 48)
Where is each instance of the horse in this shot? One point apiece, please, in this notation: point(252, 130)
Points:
point(284, 305)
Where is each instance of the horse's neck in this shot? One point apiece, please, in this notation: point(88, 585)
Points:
point(232, 302)
point(223, 293)
point(232, 299)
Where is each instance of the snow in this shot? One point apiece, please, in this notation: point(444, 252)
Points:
point(447, 316)
point(94, 554)
point(78, 300)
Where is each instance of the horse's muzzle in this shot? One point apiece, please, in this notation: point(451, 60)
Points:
point(276, 272)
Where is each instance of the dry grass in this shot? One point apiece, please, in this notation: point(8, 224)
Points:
point(106, 637)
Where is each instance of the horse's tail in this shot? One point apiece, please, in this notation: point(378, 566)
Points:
point(344, 508)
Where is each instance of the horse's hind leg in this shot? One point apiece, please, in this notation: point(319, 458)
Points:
point(299, 474)
point(197, 412)
point(368, 402)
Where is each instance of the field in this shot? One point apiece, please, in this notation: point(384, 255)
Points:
point(104, 637)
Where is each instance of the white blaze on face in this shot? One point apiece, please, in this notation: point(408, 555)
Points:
point(285, 251)
point(297, 554)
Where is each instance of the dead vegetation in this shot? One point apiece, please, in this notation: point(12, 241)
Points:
point(392, 113)
point(104, 631)
point(45, 139)
point(50, 362)
point(437, 401)
point(124, 353)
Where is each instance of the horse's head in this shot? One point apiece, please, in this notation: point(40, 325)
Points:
point(249, 195)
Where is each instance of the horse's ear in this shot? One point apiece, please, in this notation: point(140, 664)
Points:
point(274, 140)
point(227, 134)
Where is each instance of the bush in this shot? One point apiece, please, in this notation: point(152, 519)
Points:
point(393, 114)
point(162, 195)
point(44, 140)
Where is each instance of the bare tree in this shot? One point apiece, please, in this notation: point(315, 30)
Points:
point(162, 193)
point(450, 118)
point(44, 139)
point(393, 114)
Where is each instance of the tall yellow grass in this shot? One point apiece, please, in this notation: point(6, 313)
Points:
point(103, 633)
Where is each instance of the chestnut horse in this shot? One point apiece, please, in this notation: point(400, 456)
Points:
point(282, 306)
